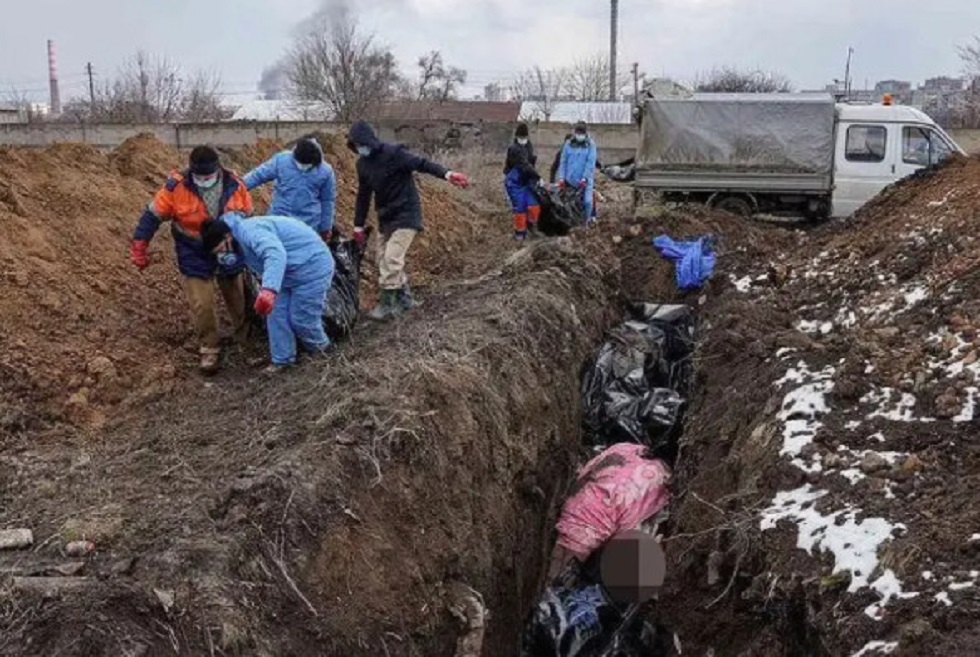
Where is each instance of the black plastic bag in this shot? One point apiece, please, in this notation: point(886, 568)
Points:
point(583, 622)
point(635, 388)
point(344, 298)
point(561, 211)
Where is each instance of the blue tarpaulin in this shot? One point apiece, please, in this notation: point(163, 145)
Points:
point(695, 261)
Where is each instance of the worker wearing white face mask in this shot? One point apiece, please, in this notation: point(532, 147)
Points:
point(520, 179)
point(204, 191)
point(306, 187)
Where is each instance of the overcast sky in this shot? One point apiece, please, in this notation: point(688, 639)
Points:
point(805, 39)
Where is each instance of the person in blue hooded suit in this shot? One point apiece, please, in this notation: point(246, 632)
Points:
point(306, 187)
point(296, 269)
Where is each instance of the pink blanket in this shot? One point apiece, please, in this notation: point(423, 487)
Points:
point(616, 491)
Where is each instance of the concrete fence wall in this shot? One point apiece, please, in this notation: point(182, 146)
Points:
point(616, 142)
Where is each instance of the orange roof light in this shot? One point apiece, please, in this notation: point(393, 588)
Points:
point(888, 99)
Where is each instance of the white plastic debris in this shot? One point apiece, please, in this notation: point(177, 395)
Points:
point(16, 539)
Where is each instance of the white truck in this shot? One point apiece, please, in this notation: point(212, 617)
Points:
point(780, 154)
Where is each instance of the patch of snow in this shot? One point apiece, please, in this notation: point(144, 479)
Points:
point(927, 575)
point(812, 327)
point(943, 597)
point(854, 544)
point(915, 295)
point(869, 369)
point(975, 537)
point(939, 204)
point(852, 425)
point(969, 406)
point(880, 647)
point(802, 407)
point(880, 437)
point(902, 412)
point(847, 319)
point(784, 351)
point(889, 587)
point(853, 475)
point(959, 586)
point(743, 284)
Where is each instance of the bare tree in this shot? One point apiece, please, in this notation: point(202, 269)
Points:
point(151, 89)
point(542, 89)
point(588, 79)
point(335, 65)
point(970, 55)
point(437, 81)
point(732, 80)
point(21, 100)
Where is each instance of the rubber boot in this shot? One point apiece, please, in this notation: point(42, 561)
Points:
point(388, 306)
point(520, 226)
point(406, 300)
point(533, 216)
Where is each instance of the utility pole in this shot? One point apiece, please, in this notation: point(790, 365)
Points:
point(613, 38)
point(636, 82)
point(847, 74)
point(91, 82)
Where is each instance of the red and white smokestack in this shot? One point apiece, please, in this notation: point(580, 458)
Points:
point(53, 79)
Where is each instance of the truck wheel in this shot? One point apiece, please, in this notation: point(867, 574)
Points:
point(733, 205)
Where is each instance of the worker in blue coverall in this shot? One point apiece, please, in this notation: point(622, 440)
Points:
point(520, 179)
point(296, 268)
point(577, 167)
point(306, 187)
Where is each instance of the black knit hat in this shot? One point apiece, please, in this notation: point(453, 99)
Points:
point(213, 233)
point(581, 128)
point(522, 130)
point(204, 161)
point(307, 151)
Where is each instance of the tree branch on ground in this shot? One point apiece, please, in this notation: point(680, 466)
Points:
point(732, 80)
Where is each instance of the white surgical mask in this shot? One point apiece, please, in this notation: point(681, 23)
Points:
point(206, 182)
point(579, 137)
point(304, 167)
point(522, 141)
point(363, 151)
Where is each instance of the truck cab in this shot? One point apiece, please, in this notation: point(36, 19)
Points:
point(877, 145)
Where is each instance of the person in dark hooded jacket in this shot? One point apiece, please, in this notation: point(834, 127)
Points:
point(520, 179)
point(386, 173)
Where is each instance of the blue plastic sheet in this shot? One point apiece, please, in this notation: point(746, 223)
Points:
point(694, 261)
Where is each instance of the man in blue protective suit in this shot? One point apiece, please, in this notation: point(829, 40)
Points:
point(306, 187)
point(577, 167)
point(296, 268)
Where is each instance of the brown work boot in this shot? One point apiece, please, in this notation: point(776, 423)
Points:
point(210, 360)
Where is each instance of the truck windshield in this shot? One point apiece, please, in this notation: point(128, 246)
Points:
point(923, 146)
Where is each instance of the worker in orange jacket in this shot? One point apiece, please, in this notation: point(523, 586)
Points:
point(203, 192)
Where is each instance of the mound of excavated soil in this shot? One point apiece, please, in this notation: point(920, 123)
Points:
point(83, 330)
point(838, 415)
point(340, 510)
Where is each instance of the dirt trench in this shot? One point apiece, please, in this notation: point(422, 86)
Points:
point(338, 511)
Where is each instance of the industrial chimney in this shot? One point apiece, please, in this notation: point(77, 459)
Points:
point(613, 37)
point(55, 109)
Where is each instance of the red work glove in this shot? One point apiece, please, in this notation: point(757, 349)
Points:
point(326, 236)
point(360, 237)
point(139, 255)
point(458, 179)
point(265, 303)
point(582, 185)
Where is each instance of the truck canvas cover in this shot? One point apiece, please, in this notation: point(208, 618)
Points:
point(789, 134)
